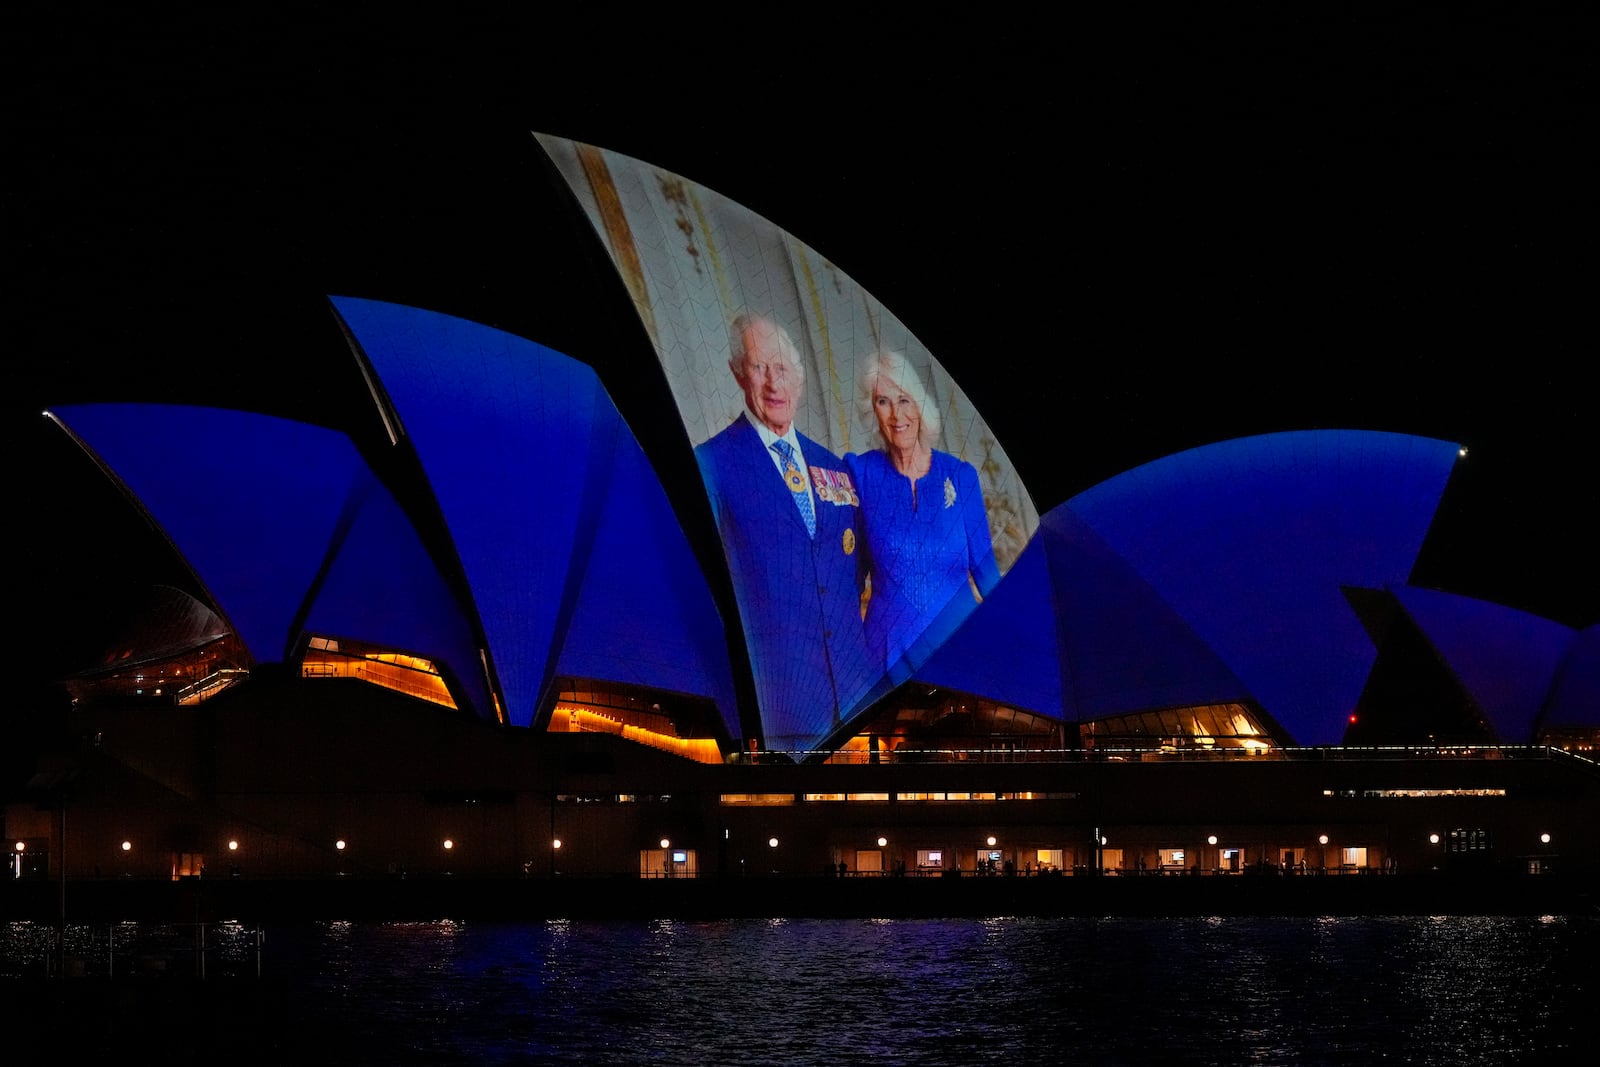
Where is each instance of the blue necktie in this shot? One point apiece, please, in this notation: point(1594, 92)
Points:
point(797, 484)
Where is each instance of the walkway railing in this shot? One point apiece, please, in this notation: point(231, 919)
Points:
point(1186, 754)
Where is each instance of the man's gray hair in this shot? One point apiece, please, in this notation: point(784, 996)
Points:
point(748, 320)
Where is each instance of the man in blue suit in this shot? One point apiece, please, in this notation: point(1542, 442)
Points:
point(788, 513)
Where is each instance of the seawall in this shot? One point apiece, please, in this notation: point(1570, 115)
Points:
point(268, 901)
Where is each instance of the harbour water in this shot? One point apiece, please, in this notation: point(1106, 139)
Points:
point(1446, 990)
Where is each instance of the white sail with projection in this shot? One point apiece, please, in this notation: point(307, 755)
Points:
point(859, 541)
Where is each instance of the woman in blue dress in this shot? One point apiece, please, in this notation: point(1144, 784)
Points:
point(927, 532)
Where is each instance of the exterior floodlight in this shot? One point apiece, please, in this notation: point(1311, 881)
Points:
point(881, 841)
point(127, 846)
point(555, 843)
point(990, 840)
point(1322, 839)
point(1544, 838)
point(233, 846)
point(22, 846)
point(449, 844)
point(772, 842)
point(1433, 839)
point(339, 844)
point(1211, 840)
point(665, 843)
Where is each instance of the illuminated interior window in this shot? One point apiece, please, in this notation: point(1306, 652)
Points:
point(919, 724)
point(397, 671)
point(175, 652)
point(1433, 792)
point(568, 719)
point(669, 863)
point(661, 721)
point(1210, 726)
point(759, 800)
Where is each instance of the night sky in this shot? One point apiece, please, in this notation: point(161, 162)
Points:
point(1123, 237)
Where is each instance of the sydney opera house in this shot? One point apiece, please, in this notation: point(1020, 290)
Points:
point(500, 638)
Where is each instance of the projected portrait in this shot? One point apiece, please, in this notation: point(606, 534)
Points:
point(865, 508)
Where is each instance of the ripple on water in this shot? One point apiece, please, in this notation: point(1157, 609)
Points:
point(1454, 990)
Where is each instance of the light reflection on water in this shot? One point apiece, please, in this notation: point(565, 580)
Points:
point(1450, 990)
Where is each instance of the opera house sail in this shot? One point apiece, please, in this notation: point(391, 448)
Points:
point(909, 509)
